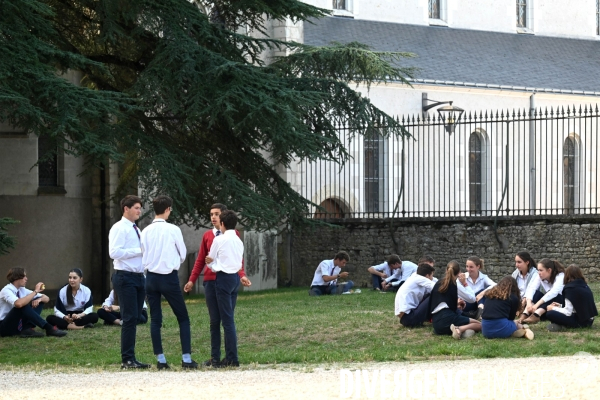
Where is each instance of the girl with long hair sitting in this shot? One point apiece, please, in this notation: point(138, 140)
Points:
point(444, 303)
point(551, 275)
point(480, 283)
point(579, 309)
point(525, 270)
point(74, 305)
point(503, 303)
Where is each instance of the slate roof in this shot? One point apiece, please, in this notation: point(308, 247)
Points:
point(475, 58)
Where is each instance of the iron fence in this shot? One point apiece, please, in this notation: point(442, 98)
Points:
point(543, 162)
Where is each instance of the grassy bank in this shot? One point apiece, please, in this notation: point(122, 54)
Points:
point(287, 326)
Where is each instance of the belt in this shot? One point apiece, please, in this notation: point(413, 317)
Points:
point(121, 272)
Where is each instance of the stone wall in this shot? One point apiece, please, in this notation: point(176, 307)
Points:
point(568, 240)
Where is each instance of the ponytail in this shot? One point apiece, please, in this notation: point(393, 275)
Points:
point(452, 271)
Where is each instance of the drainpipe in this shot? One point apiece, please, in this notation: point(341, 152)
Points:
point(103, 233)
point(532, 154)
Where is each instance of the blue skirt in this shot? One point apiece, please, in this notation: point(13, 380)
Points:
point(497, 328)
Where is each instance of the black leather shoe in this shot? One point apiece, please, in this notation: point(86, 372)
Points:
point(134, 365)
point(29, 332)
point(225, 363)
point(88, 325)
point(211, 363)
point(54, 331)
point(161, 366)
point(190, 365)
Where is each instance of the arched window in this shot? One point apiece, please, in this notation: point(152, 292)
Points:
point(475, 173)
point(333, 209)
point(569, 176)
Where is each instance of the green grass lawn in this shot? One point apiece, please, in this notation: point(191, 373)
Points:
point(288, 326)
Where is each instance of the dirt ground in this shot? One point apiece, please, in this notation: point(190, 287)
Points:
point(573, 377)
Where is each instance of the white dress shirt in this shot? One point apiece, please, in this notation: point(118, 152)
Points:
point(8, 296)
point(110, 300)
point(411, 293)
point(325, 268)
point(163, 249)
point(227, 253)
point(480, 283)
point(552, 289)
point(81, 301)
point(523, 282)
point(401, 274)
point(124, 247)
point(383, 268)
point(567, 310)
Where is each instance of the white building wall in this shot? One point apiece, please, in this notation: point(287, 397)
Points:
point(547, 17)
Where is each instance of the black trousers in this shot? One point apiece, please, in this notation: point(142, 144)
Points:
point(62, 324)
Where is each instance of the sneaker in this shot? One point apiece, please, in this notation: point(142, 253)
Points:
point(226, 363)
point(54, 331)
point(29, 333)
point(211, 363)
point(467, 334)
point(555, 328)
point(160, 366)
point(134, 365)
point(455, 332)
point(529, 334)
point(88, 325)
point(357, 291)
point(189, 365)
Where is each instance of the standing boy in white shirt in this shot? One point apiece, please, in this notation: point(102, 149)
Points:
point(163, 252)
point(125, 248)
point(225, 259)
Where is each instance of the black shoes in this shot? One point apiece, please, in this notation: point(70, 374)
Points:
point(54, 331)
point(225, 363)
point(162, 366)
point(211, 363)
point(190, 365)
point(29, 333)
point(88, 325)
point(134, 365)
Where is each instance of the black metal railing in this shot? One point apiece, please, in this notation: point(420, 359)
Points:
point(505, 163)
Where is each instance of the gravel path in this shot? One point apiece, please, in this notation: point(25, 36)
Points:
point(530, 378)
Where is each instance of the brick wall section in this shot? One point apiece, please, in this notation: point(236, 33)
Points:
point(568, 240)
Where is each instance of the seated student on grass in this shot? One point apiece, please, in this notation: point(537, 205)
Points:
point(525, 270)
point(550, 276)
point(412, 299)
point(325, 280)
point(399, 276)
point(579, 309)
point(110, 313)
point(20, 308)
point(74, 308)
point(502, 306)
point(479, 283)
point(384, 271)
point(444, 303)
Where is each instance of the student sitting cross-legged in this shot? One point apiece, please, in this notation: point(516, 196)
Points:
point(412, 299)
point(325, 280)
point(20, 308)
point(74, 305)
point(579, 309)
point(399, 275)
point(502, 306)
point(525, 270)
point(480, 283)
point(444, 303)
point(110, 313)
point(379, 273)
point(550, 276)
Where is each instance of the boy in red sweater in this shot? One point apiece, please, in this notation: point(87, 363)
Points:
point(209, 284)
